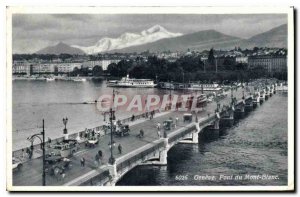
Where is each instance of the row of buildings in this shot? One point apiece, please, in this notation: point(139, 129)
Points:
point(270, 63)
point(29, 67)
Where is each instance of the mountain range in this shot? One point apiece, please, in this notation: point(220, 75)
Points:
point(157, 38)
point(152, 34)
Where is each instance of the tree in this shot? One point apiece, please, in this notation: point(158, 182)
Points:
point(137, 72)
point(112, 69)
point(211, 58)
point(123, 67)
point(241, 66)
point(75, 72)
point(97, 71)
point(64, 56)
point(229, 63)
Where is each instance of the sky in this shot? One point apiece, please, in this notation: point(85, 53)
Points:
point(31, 32)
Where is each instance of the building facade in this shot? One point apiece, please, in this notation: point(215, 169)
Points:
point(103, 63)
point(66, 67)
point(270, 63)
point(43, 68)
point(21, 67)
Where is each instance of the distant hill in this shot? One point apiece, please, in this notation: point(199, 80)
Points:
point(195, 41)
point(276, 37)
point(59, 49)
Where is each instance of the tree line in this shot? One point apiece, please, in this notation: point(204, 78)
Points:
point(184, 69)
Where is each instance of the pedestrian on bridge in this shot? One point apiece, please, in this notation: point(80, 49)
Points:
point(100, 155)
point(132, 117)
point(82, 161)
point(97, 160)
point(120, 149)
point(158, 134)
point(176, 121)
point(158, 126)
point(141, 133)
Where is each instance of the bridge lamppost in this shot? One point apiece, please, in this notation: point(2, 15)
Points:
point(31, 139)
point(217, 102)
point(112, 117)
point(65, 121)
point(170, 96)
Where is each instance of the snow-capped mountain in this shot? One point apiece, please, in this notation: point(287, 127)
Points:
point(152, 34)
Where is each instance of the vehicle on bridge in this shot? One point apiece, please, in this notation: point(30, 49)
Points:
point(168, 124)
point(55, 165)
point(64, 148)
point(122, 130)
point(91, 142)
point(187, 117)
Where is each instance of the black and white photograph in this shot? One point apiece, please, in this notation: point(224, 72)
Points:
point(150, 99)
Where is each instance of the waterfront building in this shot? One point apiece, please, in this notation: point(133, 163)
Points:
point(91, 64)
point(106, 62)
point(67, 67)
point(103, 63)
point(21, 67)
point(43, 68)
point(270, 63)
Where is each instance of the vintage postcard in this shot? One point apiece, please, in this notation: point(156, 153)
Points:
point(150, 99)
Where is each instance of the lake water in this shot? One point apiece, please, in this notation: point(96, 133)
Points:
point(55, 100)
point(256, 145)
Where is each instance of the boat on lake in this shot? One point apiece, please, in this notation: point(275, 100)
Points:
point(127, 82)
point(50, 79)
point(79, 79)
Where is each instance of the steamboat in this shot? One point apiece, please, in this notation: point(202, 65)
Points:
point(127, 82)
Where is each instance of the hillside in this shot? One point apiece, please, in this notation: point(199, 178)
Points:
point(276, 37)
point(59, 49)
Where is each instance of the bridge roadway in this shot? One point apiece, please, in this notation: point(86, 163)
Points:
point(31, 172)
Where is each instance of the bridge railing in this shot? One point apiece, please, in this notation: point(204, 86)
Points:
point(98, 179)
point(179, 135)
point(121, 166)
point(139, 116)
point(207, 120)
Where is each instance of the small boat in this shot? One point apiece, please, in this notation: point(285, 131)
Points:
point(78, 79)
point(50, 79)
